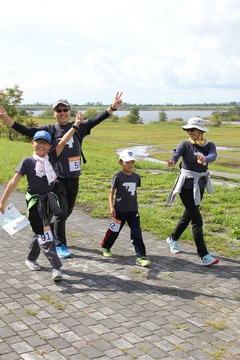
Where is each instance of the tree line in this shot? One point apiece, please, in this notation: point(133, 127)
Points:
point(11, 99)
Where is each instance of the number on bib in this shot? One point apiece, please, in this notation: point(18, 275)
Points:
point(74, 163)
point(115, 225)
point(46, 237)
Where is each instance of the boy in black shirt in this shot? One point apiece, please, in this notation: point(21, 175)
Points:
point(125, 208)
point(41, 196)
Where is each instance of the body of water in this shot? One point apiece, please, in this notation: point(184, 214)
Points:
point(152, 116)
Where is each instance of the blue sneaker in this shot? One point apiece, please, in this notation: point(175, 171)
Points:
point(208, 260)
point(63, 252)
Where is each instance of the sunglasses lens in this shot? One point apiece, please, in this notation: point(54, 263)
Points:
point(62, 110)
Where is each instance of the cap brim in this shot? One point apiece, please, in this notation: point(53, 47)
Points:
point(60, 103)
point(40, 137)
point(127, 159)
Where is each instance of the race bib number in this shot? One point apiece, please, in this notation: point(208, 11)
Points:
point(74, 163)
point(46, 237)
point(115, 225)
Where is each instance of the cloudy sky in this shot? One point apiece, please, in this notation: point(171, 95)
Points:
point(155, 51)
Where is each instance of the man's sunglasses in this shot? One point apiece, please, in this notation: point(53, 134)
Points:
point(61, 110)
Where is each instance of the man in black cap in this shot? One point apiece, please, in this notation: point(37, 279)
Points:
point(68, 165)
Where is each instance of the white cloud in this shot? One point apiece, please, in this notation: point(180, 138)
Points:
point(155, 51)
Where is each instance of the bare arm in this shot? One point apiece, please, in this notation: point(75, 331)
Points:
point(9, 189)
point(4, 116)
point(69, 134)
point(111, 197)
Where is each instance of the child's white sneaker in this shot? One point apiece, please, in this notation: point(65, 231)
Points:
point(33, 265)
point(209, 260)
point(56, 274)
point(173, 245)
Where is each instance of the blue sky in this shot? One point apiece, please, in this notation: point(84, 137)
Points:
point(155, 51)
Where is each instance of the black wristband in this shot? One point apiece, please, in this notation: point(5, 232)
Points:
point(75, 127)
point(112, 108)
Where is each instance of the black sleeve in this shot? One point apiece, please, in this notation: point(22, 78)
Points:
point(28, 131)
point(92, 122)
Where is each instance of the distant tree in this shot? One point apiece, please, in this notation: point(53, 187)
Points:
point(132, 119)
point(162, 116)
point(135, 111)
point(232, 114)
point(90, 113)
point(9, 99)
point(134, 116)
point(216, 119)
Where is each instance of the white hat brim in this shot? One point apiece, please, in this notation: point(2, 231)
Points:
point(201, 128)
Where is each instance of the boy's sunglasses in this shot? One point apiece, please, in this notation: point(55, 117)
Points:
point(61, 110)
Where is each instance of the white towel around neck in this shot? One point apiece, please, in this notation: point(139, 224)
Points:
point(44, 168)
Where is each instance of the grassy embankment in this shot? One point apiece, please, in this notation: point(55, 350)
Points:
point(220, 210)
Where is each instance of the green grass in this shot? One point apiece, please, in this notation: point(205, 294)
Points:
point(220, 210)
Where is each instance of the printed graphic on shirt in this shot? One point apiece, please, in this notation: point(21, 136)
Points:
point(70, 142)
point(130, 187)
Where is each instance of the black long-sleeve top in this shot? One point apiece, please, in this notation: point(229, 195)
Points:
point(68, 164)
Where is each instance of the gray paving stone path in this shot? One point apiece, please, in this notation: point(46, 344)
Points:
point(110, 308)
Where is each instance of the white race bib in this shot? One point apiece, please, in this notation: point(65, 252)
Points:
point(74, 163)
point(115, 225)
point(46, 237)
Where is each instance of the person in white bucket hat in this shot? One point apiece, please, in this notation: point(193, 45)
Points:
point(194, 178)
point(196, 123)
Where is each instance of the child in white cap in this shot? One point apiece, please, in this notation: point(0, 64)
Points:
point(124, 208)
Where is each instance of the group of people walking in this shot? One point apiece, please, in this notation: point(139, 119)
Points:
point(53, 182)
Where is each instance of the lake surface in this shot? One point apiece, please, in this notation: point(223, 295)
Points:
point(151, 116)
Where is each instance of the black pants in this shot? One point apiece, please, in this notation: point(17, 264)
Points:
point(133, 221)
point(39, 241)
point(66, 190)
point(192, 214)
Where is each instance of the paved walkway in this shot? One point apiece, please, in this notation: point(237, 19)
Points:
point(111, 309)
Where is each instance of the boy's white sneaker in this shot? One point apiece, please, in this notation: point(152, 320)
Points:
point(33, 265)
point(57, 274)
